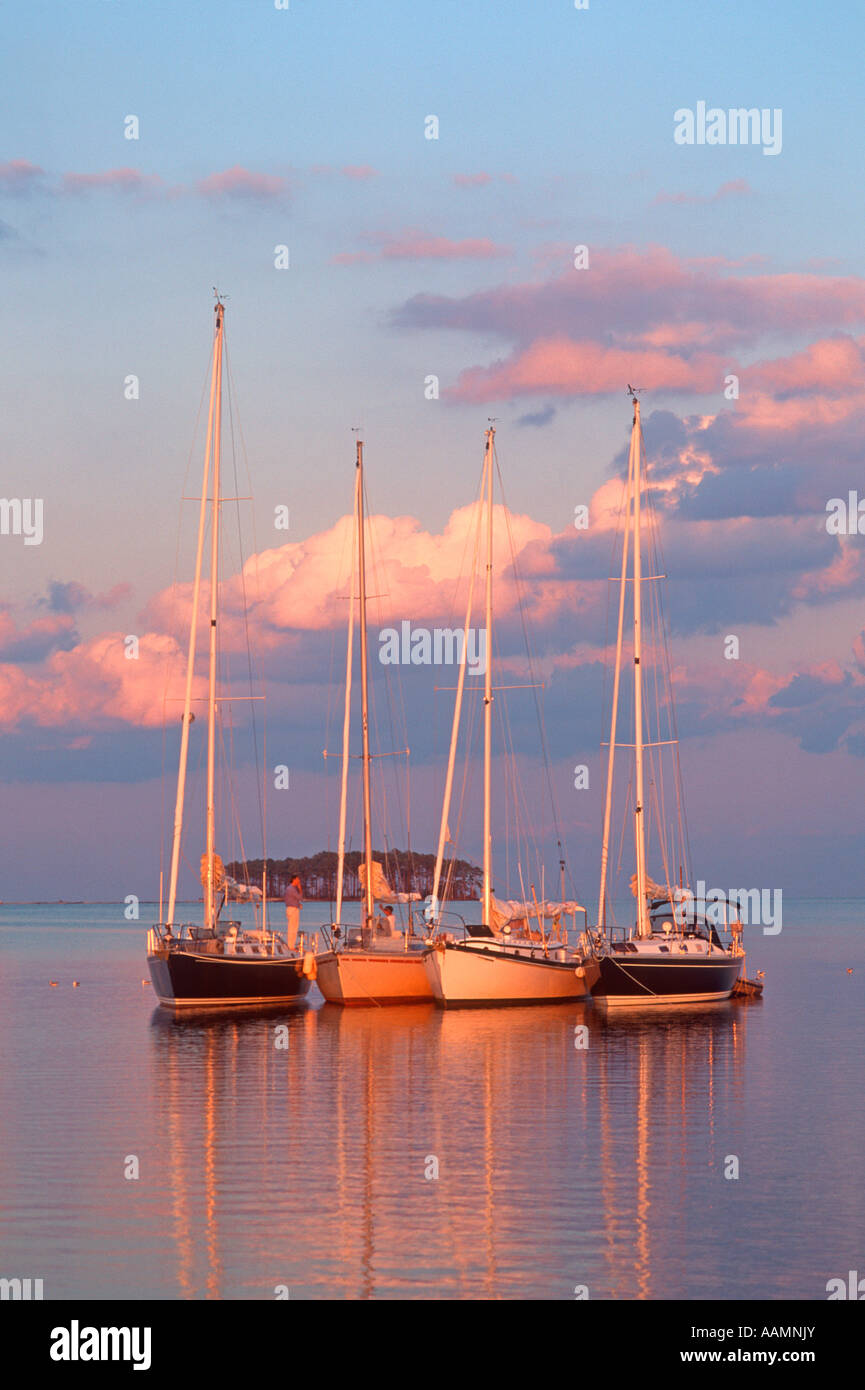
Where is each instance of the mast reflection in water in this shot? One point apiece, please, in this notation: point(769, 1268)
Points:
point(410, 1152)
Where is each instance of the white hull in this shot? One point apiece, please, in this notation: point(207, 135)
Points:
point(629, 1001)
point(461, 975)
point(373, 977)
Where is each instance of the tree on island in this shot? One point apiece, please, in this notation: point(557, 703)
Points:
point(405, 870)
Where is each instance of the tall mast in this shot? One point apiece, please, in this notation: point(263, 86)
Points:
point(639, 816)
point(614, 714)
point(346, 722)
point(209, 912)
point(364, 682)
point(193, 626)
point(461, 679)
point(488, 684)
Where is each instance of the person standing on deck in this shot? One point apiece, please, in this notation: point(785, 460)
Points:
point(293, 904)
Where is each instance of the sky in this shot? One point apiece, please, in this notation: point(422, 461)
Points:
point(452, 258)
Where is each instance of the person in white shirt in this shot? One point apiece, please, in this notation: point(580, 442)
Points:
point(293, 904)
point(384, 923)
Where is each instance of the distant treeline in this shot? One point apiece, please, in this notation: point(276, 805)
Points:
point(405, 871)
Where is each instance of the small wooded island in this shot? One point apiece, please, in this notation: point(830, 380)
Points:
point(406, 871)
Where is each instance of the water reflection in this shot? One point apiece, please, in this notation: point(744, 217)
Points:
point(658, 1073)
point(315, 1165)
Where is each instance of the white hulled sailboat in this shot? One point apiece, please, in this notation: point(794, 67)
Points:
point(509, 958)
point(673, 954)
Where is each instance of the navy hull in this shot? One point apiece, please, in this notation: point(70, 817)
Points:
point(628, 979)
point(192, 979)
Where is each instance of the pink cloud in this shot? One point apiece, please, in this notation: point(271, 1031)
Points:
point(844, 575)
point(834, 366)
point(753, 568)
point(238, 182)
point(629, 292)
point(812, 414)
point(359, 171)
point(95, 686)
point(303, 585)
point(481, 179)
point(415, 245)
point(472, 180)
point(558, 366)
point(637, 302)
point(19, 176)
point(33, 641)
point(117, 180)
point(352, 258)
point(735, 188)
point(298, 590)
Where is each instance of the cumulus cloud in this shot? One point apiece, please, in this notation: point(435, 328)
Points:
point(726, 570)
point(94, 686)
point(33, 641)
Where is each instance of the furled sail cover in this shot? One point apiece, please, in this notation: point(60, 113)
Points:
point(500, 913)
point(218, 872)
point(653, 889)
point(381, 889)
point(513, 912)
point(242, 892)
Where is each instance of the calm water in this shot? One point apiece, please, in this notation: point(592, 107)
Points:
point(306, 1167)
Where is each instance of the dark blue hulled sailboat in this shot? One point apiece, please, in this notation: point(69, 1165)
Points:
point(217, 963)
point(674, 953)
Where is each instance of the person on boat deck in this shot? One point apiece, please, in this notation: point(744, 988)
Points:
point(384, 923)
point(293, 904)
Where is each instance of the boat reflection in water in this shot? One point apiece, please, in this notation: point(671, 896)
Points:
point(410, 1152)
point(665, 1077)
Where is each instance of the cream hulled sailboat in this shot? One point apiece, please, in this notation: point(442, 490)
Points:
point(375, 962)
point(674, 953)
point(510, 958)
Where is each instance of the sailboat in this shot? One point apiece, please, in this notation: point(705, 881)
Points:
point(509, 958)
point(215, 963)
point(374, 963)
point(673, 954)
